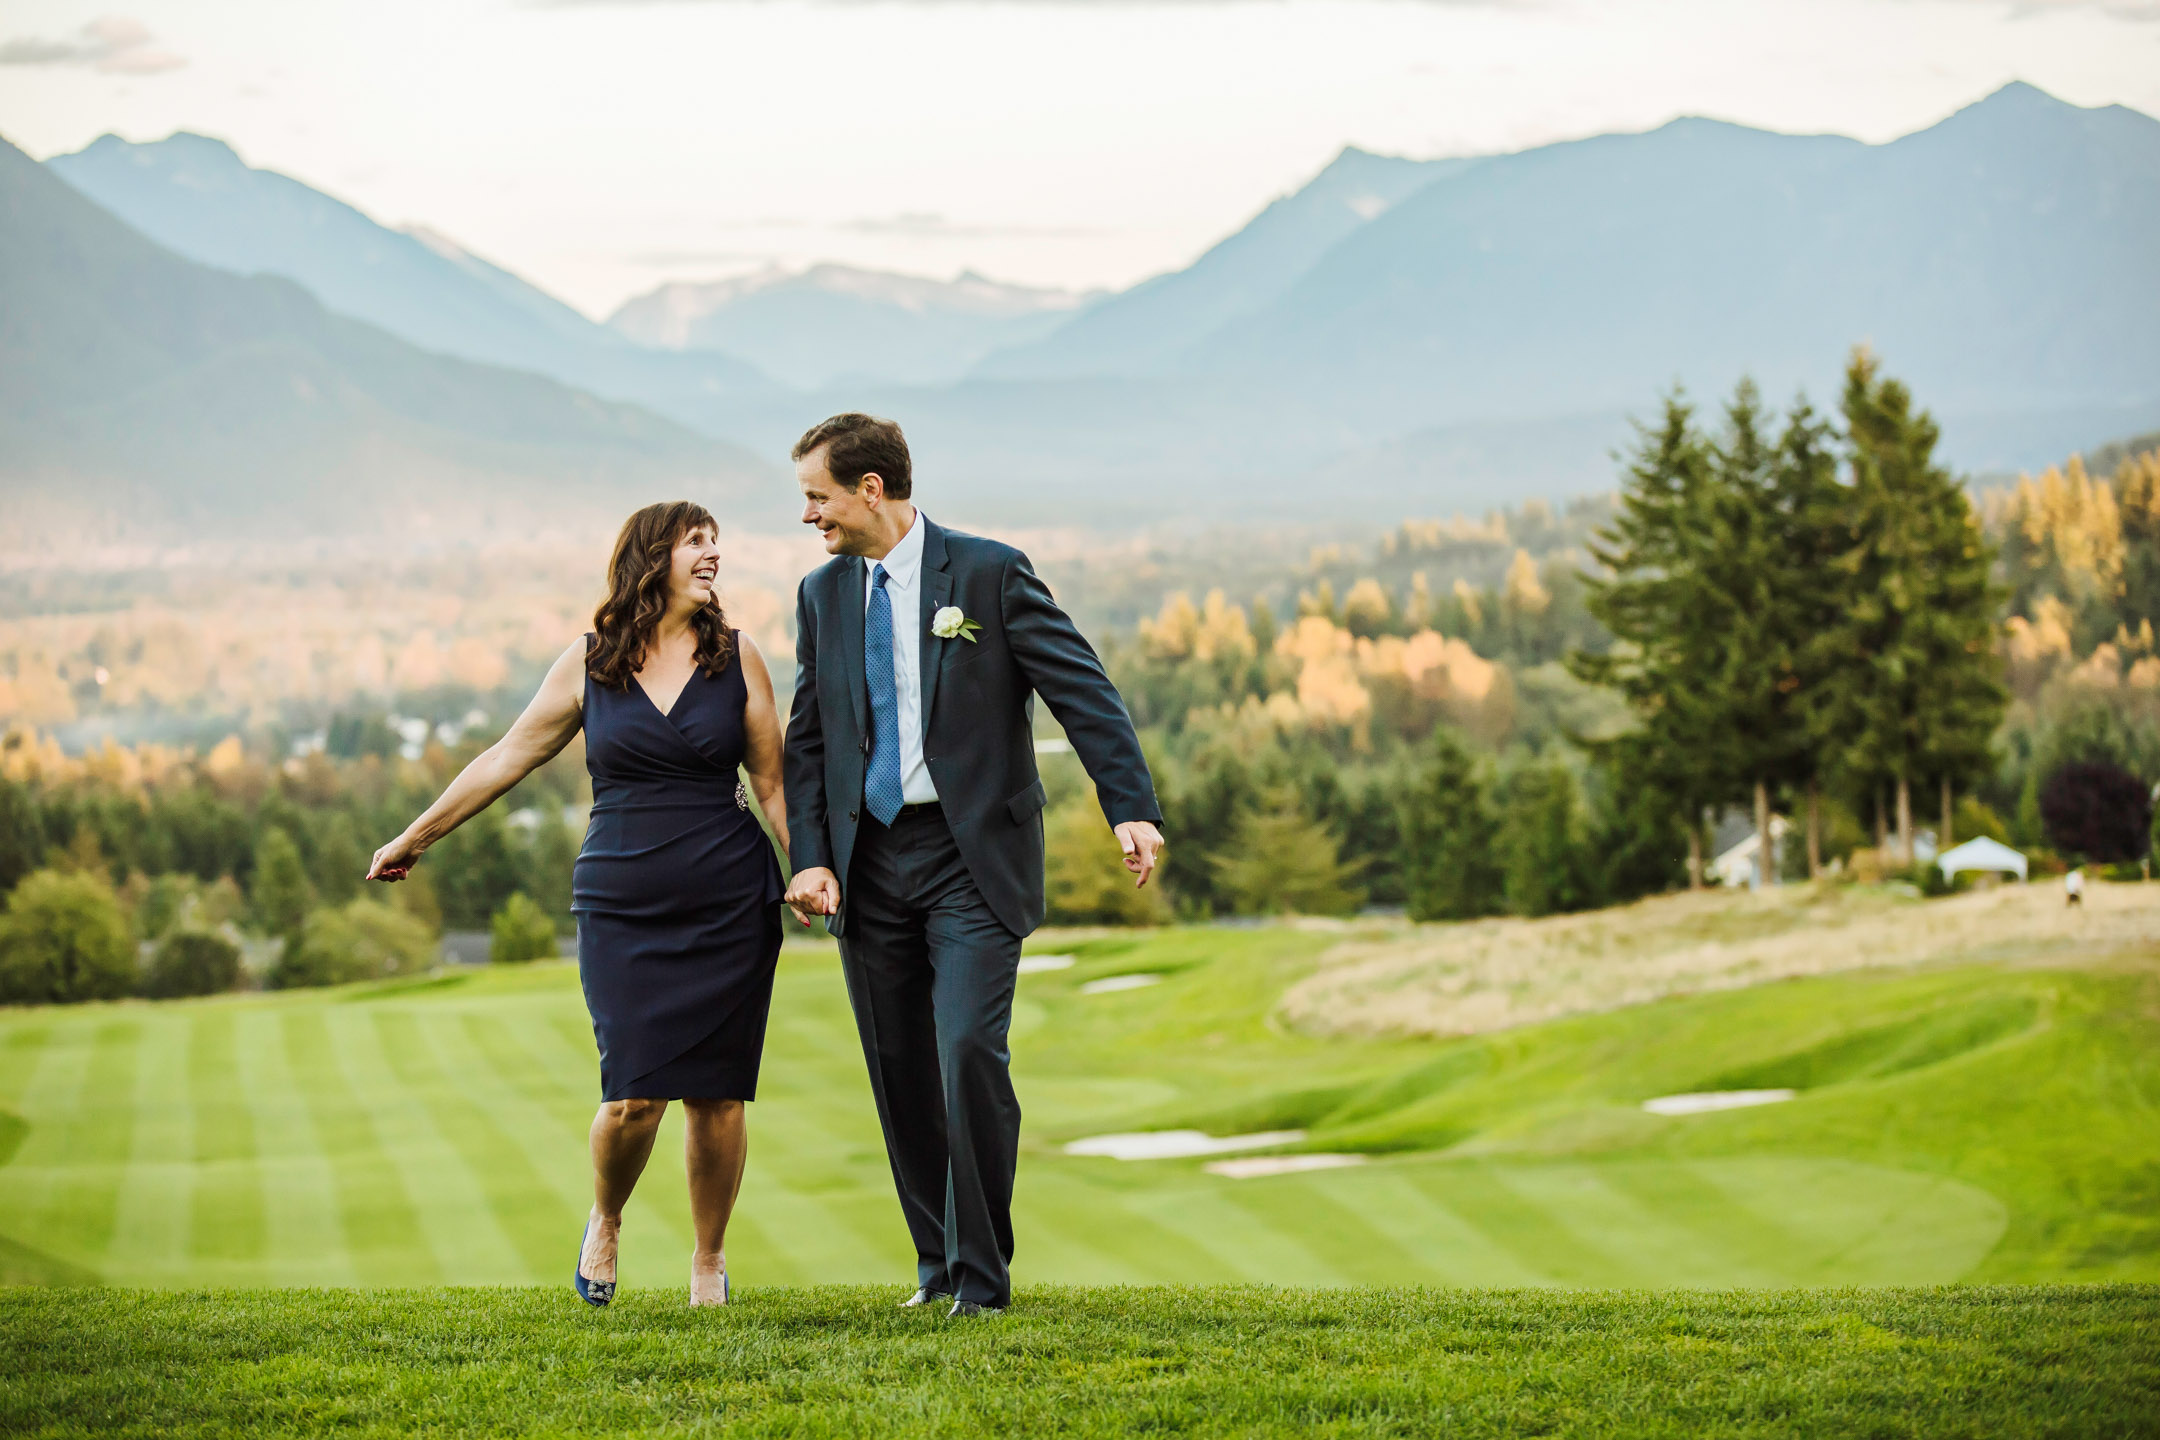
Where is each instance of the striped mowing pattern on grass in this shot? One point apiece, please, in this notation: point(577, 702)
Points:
point(435, 1133)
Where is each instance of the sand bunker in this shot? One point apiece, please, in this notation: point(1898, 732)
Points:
point(1256, 1166)
point(1111, 984)
point(1177, 1144)
point(1702, 1101)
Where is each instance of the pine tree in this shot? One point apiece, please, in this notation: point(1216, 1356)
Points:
point(1668, 622)
point(1775, 508)
point(278, 891)
point(1913, 687)
point(1542, 871)
point(1448, 836)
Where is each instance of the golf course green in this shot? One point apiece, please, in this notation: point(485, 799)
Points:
point(1984, 1121)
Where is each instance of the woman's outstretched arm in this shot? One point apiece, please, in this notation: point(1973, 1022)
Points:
point(538, 736)
point(761, 733)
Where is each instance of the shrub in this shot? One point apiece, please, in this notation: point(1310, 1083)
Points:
point(1086, 882)
point(1280, 862)
point(1975, 819)
point(63, 939)
point(361, 940)
point(192, 962)
point(521, 931)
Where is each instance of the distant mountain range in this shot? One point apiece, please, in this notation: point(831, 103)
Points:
point(834, 324)
point(1423, 335)
point(193, 195)
point(1145, 330)
point(1463, 333)
point(142, 394)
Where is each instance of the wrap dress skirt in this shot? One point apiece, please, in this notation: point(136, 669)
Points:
point(676, 894)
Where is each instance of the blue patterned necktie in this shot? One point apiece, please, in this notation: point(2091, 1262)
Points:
point(881, 784)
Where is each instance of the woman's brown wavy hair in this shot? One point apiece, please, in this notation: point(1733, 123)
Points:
point(638, 596)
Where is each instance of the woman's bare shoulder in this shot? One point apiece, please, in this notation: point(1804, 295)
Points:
point(753, 659)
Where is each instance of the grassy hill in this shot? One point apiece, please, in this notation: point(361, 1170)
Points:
point(1987, 1116)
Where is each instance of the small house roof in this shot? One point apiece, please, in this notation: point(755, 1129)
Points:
point(1981, 854)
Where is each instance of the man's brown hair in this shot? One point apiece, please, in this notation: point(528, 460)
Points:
point(861, 445)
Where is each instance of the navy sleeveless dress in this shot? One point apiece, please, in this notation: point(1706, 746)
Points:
point(676, 894)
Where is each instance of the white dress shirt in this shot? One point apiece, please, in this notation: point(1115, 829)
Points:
point(903, 586)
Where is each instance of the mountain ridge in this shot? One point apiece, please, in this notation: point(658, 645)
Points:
point(151, 390)
point(194, 195)
point(829, 322)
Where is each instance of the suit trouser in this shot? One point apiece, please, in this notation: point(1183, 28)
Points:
point(930, 971)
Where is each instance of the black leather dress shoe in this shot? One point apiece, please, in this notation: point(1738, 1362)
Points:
point(963, 1308)
point(925, 1297)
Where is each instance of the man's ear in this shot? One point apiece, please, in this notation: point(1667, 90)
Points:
point(872, 489)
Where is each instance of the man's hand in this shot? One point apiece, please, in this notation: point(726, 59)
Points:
point(815, 891)
point(1143, 847)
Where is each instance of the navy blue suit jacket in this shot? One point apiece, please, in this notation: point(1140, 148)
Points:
point(978, 741)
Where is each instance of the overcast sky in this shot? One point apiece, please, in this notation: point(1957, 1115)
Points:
point(601, 147)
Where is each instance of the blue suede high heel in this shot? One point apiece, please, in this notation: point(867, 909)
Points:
point(595, 1293)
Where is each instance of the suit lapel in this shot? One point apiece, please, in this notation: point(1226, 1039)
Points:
point(851, 640)
point(936, 594)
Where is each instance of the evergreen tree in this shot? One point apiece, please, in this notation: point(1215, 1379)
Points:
point(1775, 509)
point(279, 893)
point(1448, 835)
point(1640, 843)
point(22, 834)
point(1912, 687)
point(1668, 622)
point(341, 861)
point(1540, 854)
point(475, 870)
point(550, 863)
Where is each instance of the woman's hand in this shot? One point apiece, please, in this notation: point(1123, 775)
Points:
point(395, 860)
point(539, 734)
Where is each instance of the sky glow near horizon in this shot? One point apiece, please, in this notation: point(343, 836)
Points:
point(599, 149)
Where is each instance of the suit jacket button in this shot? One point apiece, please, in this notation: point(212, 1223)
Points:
point(851, 814)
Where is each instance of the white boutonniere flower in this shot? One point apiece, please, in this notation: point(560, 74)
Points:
point(949, 623)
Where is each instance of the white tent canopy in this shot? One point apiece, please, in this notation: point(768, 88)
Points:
point(1981, 854)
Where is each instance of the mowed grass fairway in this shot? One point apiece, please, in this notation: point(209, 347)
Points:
point(1990, 1118)
point(2079, 1361)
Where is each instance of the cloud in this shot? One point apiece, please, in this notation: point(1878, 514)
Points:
point(114, 45)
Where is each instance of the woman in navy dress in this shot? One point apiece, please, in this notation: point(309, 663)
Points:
point(677, 890)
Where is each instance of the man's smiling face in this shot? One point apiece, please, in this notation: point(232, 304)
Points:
point(846, 518)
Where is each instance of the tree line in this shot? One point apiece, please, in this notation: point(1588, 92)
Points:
point(1798, 609)
point(192, 875)
point(1530, 713)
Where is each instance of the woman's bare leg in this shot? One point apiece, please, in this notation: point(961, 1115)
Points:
point(714, 1151)
point(622, 1141)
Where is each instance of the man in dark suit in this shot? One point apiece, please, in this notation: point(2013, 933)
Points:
point(916, 816)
